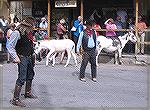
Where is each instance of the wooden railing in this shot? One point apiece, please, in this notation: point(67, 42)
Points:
point(39, 29)
point(117, 30)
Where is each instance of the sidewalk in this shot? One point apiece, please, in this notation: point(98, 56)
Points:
point(127, 59)
point(143, 59)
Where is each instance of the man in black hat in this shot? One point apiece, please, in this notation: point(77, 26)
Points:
point(21, 50)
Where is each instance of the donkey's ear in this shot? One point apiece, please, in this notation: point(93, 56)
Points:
point(38, 43)
point(132, 30)
point(34, 43)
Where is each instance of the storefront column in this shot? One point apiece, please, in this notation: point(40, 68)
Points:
point(49, 17)
point(136, 21)
point(81, 11)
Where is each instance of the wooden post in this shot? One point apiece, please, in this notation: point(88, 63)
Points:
point(136, 21)
point(81, 11)
point(49, 17)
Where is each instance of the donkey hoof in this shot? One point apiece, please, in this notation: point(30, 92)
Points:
point(120, 63)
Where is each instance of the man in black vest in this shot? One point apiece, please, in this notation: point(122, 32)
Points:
point(21, 50)
point(88, 41)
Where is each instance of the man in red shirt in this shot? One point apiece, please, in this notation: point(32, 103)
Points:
point(96, 26)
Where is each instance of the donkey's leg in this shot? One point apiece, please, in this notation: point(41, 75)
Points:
point(62, 57)
point(75, 58)
point(69, 56)
point(120, 56)
point(53, 59)
point(116, 57)
point(98, 52)
point(47, 57)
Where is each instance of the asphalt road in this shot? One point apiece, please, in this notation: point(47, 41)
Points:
point(117, 86)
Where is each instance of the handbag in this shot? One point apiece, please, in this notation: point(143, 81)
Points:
point(73, 29)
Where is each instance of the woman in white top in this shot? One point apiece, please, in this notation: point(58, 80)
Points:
point(44, 26)
point(9, 32)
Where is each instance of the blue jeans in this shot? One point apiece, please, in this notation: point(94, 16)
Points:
point(25, 69)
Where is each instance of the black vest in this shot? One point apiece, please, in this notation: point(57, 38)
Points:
point(24, 45)
point(85, 41)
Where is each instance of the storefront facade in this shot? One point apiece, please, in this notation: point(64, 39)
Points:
point(71, 9)
point(4, 8)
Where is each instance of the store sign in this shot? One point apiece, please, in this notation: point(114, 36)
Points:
point(66, 3)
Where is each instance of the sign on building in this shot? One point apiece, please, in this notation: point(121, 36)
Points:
point(66, 3)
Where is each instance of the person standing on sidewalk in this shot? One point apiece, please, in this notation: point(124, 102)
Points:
point(78, 24)
point(61, 29)
point(21, 50)
point(11, 28)
point(141, 26)
point(87, 39)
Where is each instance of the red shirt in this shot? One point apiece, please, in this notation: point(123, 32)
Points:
point(96, 26)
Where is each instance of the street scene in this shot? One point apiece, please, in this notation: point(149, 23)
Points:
point(117, 86)
point(74, 54)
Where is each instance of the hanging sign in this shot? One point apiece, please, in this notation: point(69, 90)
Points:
point(66, 3)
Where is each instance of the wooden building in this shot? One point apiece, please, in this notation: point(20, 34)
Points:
point(70, 9)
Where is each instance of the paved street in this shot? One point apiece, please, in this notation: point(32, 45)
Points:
point(116, 86)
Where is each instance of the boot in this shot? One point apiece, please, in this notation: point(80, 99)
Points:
point(16, 101)
point(28, 93)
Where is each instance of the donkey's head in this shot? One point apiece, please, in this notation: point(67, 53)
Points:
point(132, 37)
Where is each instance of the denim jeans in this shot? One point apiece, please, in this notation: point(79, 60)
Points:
point(25, 69)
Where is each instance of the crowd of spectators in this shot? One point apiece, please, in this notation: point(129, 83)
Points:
point(63, 27)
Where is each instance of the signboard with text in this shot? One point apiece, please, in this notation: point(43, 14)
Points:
point(66, 3)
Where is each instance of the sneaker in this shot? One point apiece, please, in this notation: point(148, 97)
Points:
point(94, 79)
point(83, 79)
